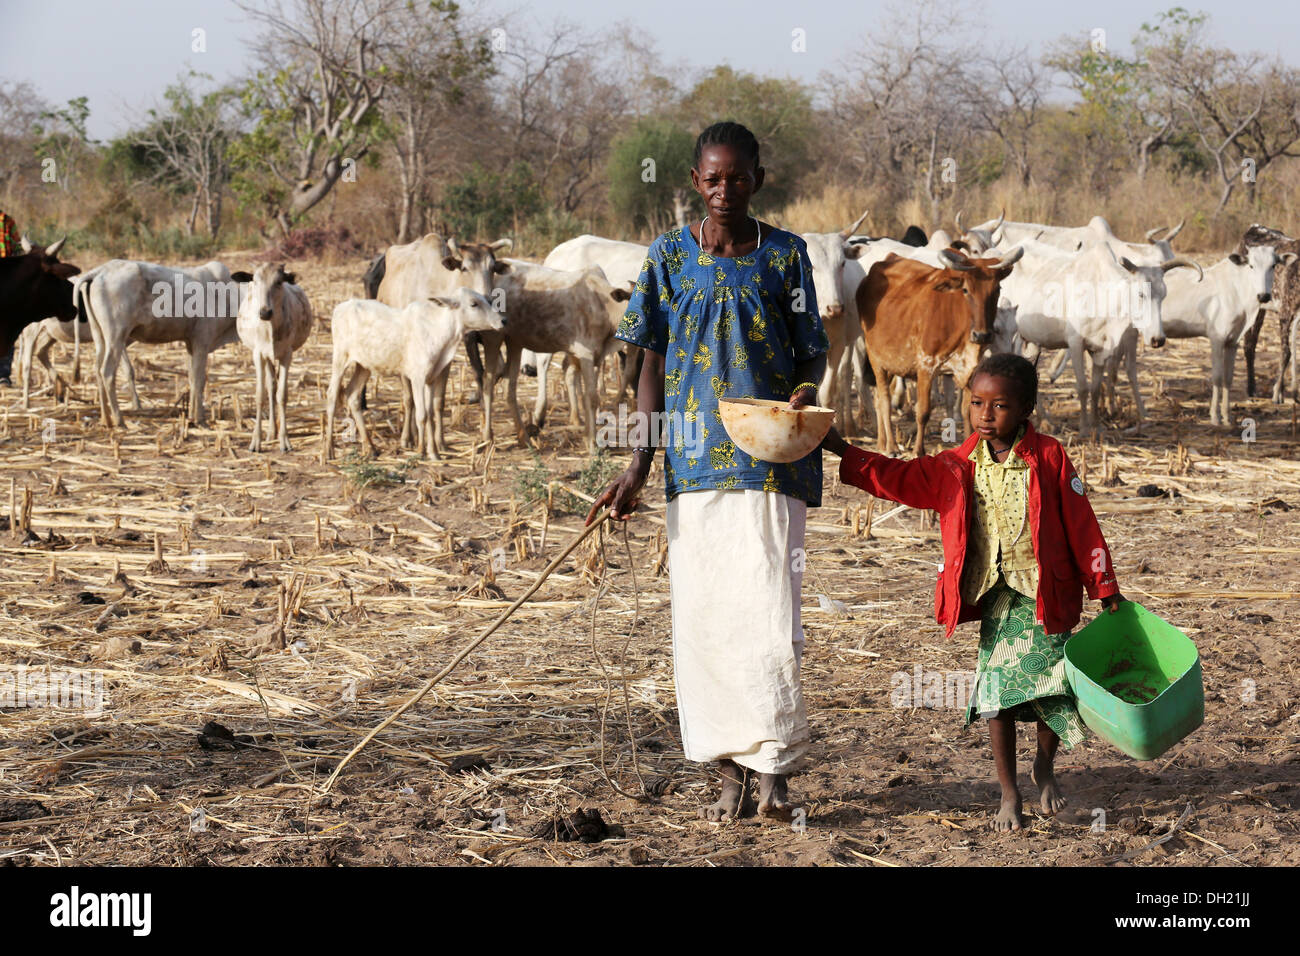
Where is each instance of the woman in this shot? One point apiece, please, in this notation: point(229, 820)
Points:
point(725, 308)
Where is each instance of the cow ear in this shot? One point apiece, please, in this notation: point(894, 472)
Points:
point(1236, 259)
point(854, 250)
point(241, 276)
point(451, 263)
point(1126, 263)
point(620, 295)
point(500, 268)
point(1003, 272)
point(949, 284)
point(291, 278)
point(445, 303)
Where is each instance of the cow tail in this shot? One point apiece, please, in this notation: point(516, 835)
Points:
point(83, 313)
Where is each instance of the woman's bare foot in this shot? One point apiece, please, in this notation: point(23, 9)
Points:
point(1051, 798)
point(733, 797)
point(1008, 816)
point(773, 799)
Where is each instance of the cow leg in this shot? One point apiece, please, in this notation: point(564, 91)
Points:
point(420, 395)
point(259, 387)
point(492, 368)
point(136, 404)
point(1216, 382)
point(1131, 367)
point(923, 379)
point(574, 390)
point(440, 403)
point(1080, 383)
point(1229, 360)
point(1283, 327)
point(273, 413)
point(198, 380)
point(26, 343)
point(632, 359)
point(1295, 329)
point(408, 404)
point(1251, 341)
point(282, 405)
point(108, 385)
point(331, 404)
point(541, 368)
point(884, 428)
point(472, 341)
point(353, 398)
point(513, 354)
point(588, 369)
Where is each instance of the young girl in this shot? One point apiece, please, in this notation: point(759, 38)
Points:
point(724, 308)
point(1020, 543)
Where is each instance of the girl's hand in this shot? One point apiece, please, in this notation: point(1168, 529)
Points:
point(834, 442)
point(622, 493)
point(1113, 602)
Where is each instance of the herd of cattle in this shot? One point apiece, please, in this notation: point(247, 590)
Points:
point(923, 309)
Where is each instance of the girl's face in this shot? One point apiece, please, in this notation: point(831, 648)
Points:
point(726, 178)
point(996, 409)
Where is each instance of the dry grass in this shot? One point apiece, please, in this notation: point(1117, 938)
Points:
point(298, 612)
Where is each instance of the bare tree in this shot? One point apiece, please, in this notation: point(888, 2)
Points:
point(190, 139)
point(433, 67)
point(561, 97)
point(903, 110)
point(315, 97)
point(1006, 98)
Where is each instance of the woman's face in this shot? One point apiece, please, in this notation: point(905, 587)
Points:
point(726, 179)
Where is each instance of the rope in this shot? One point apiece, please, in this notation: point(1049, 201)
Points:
point(429, 684)
point(609, 687)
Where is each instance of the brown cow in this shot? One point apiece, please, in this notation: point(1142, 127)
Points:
point(915, 318)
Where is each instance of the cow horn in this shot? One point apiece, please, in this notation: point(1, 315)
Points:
point(960, 227)
point(1176, 230)
point(506, 243)
point(1177, 261)
point(854, 228)
point(453, 247)
point(1151, 233)
point(1002, 217)
point(1011, 258)
point(53, 250)
point(955, 260)
point(26, 243)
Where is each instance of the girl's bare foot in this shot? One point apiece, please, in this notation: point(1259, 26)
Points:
point(1008, 816)
point(1051, 798)
point(773, 799)
point(733, 797)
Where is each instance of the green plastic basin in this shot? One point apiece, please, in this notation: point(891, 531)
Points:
point(1137, 680)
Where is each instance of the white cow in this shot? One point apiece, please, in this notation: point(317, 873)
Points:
point(434, 266)
point(576, 312)
point(621, 263)
point(417, 342)
point(1219, 309)
point(274, 321)
point(1085, 301)
point(127, 301)
point(35, 343)
point(836, 276)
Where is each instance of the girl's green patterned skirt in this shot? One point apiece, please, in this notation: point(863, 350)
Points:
point(1021, 668)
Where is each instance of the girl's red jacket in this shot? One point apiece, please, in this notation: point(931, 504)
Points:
point(1068, 543)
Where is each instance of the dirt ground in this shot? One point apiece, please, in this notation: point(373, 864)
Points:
point(297, 610)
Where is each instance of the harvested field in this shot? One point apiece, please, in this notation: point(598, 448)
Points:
point(271, 595)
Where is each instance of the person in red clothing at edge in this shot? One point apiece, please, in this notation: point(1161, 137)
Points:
point(10, 245)
point(1020, 544)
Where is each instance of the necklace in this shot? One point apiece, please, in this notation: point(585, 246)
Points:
point(758, 230)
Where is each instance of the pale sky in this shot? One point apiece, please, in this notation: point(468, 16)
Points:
point(122, 53)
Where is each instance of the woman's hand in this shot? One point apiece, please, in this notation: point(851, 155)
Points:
point(622, 493)
point(834, 442)
point(1113, 602)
